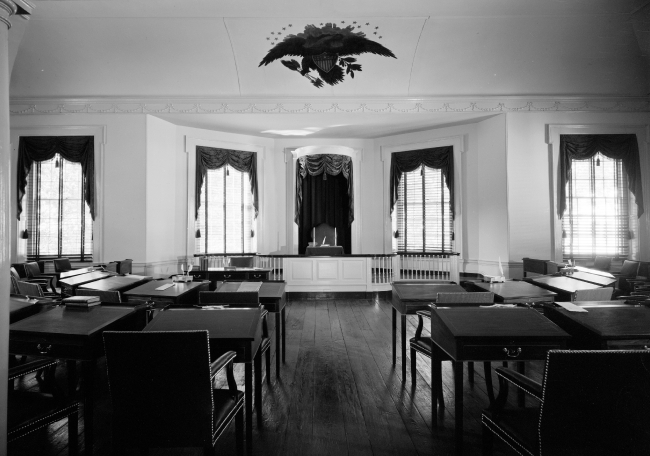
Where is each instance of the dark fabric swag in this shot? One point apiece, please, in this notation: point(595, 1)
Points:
point(583, 147)
point(437, 157)
point(213, 158)
point(325, 164)
point(325, 201)
point(77, 149)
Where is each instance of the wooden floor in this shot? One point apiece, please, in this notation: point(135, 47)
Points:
point(338, 394)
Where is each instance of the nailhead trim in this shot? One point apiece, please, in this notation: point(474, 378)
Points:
point(489, 422)
point(45, 421)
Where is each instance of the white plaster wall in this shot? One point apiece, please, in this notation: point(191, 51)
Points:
point(530, 210)
point(123, 189)
point(160, 197)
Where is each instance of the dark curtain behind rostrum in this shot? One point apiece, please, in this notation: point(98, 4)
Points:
point(324, 194)
point(77, 149)
point(618, 147)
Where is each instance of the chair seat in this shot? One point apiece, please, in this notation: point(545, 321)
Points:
point(422, 344)
point(28, 411)
point(516, 426)
point(226, 405)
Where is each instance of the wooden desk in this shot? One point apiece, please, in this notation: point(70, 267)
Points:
point(407, 299)
point(21, 307)
point(76, 272)
point(604, 327)
point(239, 330)
point(486, 334)
point(215, 275)
point(516, 292)
point(117, 283)
point(70, 284)
point(273, 297)
point(592, 278)
point(564, 286)
point(74, 335)
point(181, 294)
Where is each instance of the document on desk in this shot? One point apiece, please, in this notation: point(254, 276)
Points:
point(571, 307)
point(249, 286)
point(164, 287)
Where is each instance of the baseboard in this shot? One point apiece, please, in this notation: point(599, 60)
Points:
point(334, 295)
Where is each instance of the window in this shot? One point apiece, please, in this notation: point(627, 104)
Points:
point(597, 218)
point(58, 219)
point(225, 222)
point(423, 216)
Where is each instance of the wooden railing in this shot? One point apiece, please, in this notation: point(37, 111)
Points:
point(427, 266)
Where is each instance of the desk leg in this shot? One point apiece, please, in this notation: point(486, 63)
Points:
point(284, 334)
point(521, 396)
point(71, 366)
point(88, 393)
point(458, 406)
point(278, 328)
point(258, 387)
point(394, 335)
point(436, 386)
point(403, 348)
point(248, 399)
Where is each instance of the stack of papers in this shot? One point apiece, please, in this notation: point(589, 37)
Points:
point(249, 286)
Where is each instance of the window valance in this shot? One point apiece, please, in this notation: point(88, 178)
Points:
point(213, 158)
point(581, 147)
point(437, 157)
point(324, 164)
point(77, 149)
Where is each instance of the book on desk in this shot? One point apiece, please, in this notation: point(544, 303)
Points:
point(81, 301)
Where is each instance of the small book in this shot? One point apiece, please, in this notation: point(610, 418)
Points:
point(82, 301)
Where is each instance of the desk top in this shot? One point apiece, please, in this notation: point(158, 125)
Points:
point(149, 289)
point(268, 290)
point(423, 292)
point(70, 322)
point(607, 323)
point(516, 291)
point(470, 322)
point(82, 279)
point(596, 279)
point(562, 284)
point(76, 272)
point(23, 307)
point(594, 272)
point(117, 283)
point(240, 324)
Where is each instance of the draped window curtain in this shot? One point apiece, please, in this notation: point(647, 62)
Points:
point(213, 158)
point(77, 149)
point(441, 158)
point(619, 147)
point(324, 194)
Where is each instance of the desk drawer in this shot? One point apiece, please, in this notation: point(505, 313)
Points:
point(258, 276)
point(507, 352)
point(50, 348)
point(231, 275)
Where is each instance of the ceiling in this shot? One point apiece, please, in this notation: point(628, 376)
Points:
point(199, 50)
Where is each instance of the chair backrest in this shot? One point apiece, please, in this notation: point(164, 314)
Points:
point(160, 387)
point(594, 294)
point(14, 281)
point(62, 265)
point(534, 266)
point(482, 297)
point(104, 296)
point(32, 269)
point(553, 267)
point(29, 289)
point(112, 266)
point(602, 263)
point(232, 299)
point(629, 269)
point(596, 402)
point(324, 231)
point(242, 261)
point(124, 266)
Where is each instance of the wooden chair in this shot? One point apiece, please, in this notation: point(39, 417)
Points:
point(124, 266)
point(62, 265)
point(594, 294)
point(243, 299)
point(34, 290)
point(29, 411)
point(242, 261)
point(161, 386)
point(42, 282)
point(625, 277)
point(534, 266)
point(34, 274)
point(590, 403)
point(424, 345)
point(602, 263)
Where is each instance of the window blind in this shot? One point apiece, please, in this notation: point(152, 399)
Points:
point(58, 219)
point(225, 222)
point(424, 220)
point(597, 221)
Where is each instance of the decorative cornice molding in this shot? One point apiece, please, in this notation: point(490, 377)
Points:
point(31, 106)
point(10, 8)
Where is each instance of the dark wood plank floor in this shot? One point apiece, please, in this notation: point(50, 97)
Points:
point(338, 394)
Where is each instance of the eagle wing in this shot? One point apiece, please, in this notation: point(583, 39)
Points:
point(355, 45)
point(288, 46)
